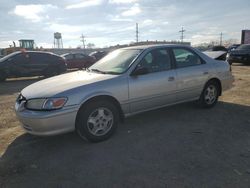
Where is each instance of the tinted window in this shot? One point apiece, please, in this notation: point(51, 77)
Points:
point(53, 58)
point(40, 58)
point(244, 47)
point(68, 57)
point(185, 58)
point(79, 56)
point(21, 58)
point(156, 60)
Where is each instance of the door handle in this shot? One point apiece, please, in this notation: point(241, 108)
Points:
point(205, 72)
point(171, 78)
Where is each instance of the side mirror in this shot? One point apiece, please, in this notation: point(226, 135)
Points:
point(139, 71)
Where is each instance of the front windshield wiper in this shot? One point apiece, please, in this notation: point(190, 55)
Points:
point(103, 72)
point(99, 71)
point(111, 72)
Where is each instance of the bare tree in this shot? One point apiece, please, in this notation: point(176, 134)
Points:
point(90, 45)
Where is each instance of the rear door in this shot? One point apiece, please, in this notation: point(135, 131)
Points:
point(38, 63)
point(157, 87)
point(192, 73)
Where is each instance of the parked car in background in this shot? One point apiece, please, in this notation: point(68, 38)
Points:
point(219, 48)
point(233, 47)
point(98, 54)
point(125, 82)
point(217, 53)
point(31, 63)
point(78, 60)
point(240, 55)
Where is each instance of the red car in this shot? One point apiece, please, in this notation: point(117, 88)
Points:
point(78, 60)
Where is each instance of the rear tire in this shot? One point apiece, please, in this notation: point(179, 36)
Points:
point(97, 121)
point(209, 95)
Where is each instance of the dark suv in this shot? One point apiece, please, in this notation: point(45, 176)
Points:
point(31, 63)
point(240, 55)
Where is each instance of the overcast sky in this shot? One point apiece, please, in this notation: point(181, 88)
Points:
point(111, 22)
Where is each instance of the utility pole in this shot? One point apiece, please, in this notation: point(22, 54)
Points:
point(137, 33)
point(221, 39)
point(83, 41)
point(182, 33)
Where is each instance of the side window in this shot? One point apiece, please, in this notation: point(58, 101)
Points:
point(21, 58)
point(69, 57)
point(52, 58)
point(185, 58)
point(156, 61)
point(38, 58)
point(79, 56)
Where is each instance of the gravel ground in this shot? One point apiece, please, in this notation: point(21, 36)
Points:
point(178, 146)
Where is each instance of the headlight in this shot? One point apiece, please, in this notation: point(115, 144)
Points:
point(46, 103)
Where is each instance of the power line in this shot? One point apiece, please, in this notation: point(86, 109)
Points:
point(221, 39)
point(182, 33)
point(83, 41)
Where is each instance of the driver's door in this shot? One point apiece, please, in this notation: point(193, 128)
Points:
point(156, 87)
point(19, 65)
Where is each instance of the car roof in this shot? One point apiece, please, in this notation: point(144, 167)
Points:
point(37, 52)
point(143, 47)
point(73, 53)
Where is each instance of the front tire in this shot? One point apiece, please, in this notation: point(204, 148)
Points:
point(209, 95)
point(97, 121)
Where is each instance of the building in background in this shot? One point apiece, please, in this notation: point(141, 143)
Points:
point(245, 37)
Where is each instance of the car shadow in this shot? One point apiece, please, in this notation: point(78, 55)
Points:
point(196, 146)
point(11, 86)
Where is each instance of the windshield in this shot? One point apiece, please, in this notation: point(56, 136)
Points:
point(244, 47)
point(116, 62)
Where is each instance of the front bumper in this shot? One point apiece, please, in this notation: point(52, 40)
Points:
point(227, 83)
point(45, 123)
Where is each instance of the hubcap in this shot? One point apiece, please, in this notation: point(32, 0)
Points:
point(210, 94)
point(100, 121)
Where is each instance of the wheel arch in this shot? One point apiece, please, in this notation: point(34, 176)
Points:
point(104, 97)
point(218, 82)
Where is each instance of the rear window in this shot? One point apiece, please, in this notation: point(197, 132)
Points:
point(244, 47)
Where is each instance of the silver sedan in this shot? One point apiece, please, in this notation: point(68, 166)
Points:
point(125, 82)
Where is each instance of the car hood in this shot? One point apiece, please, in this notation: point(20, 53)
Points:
point(240, 52)
point(55, 85)
point(214, 54)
